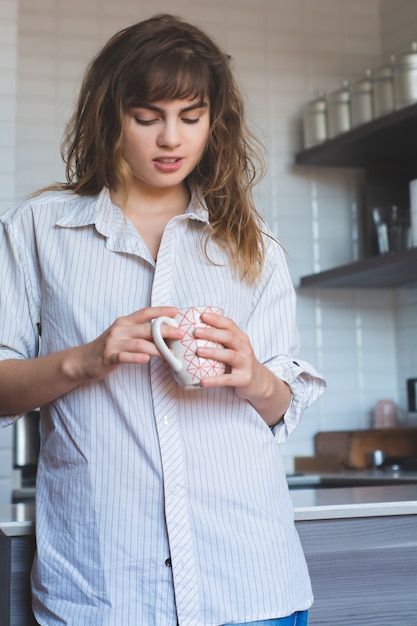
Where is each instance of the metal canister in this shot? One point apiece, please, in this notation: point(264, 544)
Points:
point(405, 78)
point(315, 121)
point(26, 440)
point(338, 110)
point(383, 79)
point(361, 100)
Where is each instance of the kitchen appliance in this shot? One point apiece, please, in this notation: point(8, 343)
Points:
point(377, 458)
point(400, 463)
point(26, 444)
point(413, 214)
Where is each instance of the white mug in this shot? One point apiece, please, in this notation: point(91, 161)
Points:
point(188, 368)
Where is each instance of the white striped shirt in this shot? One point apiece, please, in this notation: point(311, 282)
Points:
point(154, 504)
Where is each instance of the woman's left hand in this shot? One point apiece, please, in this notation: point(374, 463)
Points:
point(251, 380)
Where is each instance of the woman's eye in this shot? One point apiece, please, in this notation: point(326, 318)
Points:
point(188, 120)
point(143, 122)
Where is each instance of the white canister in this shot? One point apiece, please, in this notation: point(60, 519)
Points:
point(315, 121)
point(338, 110)
point(405, 78)
point(361, 100)
point(383, 90)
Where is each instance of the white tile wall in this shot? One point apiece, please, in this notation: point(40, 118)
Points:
point(398, 26)
point(283, 51)
point(8, 94)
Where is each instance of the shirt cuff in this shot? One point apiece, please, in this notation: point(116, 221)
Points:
point(306, 386)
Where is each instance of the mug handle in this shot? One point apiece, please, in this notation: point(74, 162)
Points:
point(171, 359)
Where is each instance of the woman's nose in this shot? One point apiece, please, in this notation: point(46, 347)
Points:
point(169, 135)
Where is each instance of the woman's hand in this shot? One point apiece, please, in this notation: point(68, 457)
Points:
point(26, 384)
point(252, 381)
point(128, 340)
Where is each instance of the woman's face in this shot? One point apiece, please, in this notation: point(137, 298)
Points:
point(164, 141)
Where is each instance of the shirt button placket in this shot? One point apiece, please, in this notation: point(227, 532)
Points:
point(165, 409)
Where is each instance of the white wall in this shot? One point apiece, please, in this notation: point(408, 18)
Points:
point(8, 95)
point(283, 51)
point(398, 26)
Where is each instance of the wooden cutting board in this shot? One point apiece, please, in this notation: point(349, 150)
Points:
point(352, 449)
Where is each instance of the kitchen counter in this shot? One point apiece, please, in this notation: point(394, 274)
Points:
point(360, 544)
point(351, 502)
point(17, 519)
point(309, 504)
point(351, 478)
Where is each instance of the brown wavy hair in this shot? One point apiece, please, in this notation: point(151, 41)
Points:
point(166, 58)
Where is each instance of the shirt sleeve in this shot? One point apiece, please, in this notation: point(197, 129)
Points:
point(19, 314)
point(275, 339)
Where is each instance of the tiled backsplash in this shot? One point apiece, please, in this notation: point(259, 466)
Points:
point(365, 343)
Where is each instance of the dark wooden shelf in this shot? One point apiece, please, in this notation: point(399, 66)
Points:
point(393, 269)
point(386, 149)
point(390, 138)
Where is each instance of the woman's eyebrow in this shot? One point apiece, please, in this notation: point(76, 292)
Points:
point(152, 107)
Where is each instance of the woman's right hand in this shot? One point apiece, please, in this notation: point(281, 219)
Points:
point(26, 384)
point(128, 340)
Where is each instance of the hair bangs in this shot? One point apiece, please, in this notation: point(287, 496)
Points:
point(179, 75)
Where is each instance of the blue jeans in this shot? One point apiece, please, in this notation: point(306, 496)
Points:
point(296, 619)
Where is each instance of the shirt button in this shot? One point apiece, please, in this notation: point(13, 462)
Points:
point(166, 419)
point(173, 490)
point(168, 562)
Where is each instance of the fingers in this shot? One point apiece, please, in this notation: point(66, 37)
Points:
point(223, 330)
point(148, 314)
point(237, 352)
point(130, 337)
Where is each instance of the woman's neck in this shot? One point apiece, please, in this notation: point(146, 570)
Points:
point(150, 210)
point(151, 200)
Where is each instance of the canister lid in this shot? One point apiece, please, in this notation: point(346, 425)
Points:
point(363, 84)
point(409, 59)
point(383, 72)
point(341, 95)
point(317, 105)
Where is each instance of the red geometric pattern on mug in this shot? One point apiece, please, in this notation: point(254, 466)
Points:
point(198, 367)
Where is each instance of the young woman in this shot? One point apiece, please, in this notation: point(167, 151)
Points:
point(155, 505)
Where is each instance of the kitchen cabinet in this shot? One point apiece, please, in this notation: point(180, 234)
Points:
point(361, 548)
point(17, 547)
point(360, 544)
point(386, 150)
point(362, 570)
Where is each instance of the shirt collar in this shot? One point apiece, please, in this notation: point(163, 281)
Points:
point(87, 210)
point(100, 211)
point(197, 208)
point(109, 221)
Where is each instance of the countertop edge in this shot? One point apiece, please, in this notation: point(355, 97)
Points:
point(349, 511)
point(17, 529)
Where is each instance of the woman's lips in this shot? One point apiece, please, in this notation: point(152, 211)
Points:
point(168, 164)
